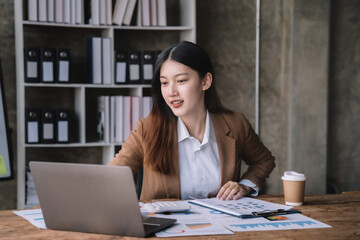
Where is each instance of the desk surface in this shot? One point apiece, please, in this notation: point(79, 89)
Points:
point(341, 211)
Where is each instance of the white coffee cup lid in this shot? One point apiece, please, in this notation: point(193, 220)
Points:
point(293, 176)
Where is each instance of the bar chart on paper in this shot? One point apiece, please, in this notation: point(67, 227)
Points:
point(293, 221)
point(193, 227)
point(198, 225)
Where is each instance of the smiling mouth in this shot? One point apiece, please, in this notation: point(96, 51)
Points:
point(177, 102)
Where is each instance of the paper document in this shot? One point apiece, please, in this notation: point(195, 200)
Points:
point(281, 222)
point(34, 216)
point(189, 223)
point(242, 206)
point(206, 221)
point(193, 227)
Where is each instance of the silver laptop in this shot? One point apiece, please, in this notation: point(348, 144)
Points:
point(92, 198)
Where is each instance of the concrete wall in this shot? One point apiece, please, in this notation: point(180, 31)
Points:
point(309, 83)
point(308, 92)
point(293, 82)
point(344, 97)
point(275, 82)
point(298, 91)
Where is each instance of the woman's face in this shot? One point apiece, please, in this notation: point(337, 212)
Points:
point(182, 88)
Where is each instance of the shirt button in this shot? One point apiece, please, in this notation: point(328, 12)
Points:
point(201, 178)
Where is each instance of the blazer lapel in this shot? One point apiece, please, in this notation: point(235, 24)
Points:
point(226, 147)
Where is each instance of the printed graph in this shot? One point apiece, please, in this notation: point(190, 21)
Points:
point(296, 221)
point(198, 225)
point(276, 225)
point(216, 212)
point(243, 206)
point(174, 231)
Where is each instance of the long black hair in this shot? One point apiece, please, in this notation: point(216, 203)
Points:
point(161, 138)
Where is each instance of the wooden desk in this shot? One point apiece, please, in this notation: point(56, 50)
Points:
point(341, 211)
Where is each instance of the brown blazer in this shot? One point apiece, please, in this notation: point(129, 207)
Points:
point(236, 141)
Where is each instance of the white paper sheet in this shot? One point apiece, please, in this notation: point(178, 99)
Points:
point(293, 221)
point(205, 221)
point(209, 222)
point(34, 216)
point(193, 227)
point(241, 206)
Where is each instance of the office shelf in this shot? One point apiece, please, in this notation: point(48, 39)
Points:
point(28, 33)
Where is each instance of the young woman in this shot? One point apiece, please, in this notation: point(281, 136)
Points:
point(189, 145)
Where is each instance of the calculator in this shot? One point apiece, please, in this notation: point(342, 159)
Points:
point(166, 206)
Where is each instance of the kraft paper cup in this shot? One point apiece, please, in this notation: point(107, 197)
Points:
point(294, 188)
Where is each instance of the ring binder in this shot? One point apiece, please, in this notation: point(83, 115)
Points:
point(31, 58)
point(121, 67)
point(147, 66)
point(134, 67)
point(33, 10)
point(59, 11)
point(63, 65)
point(47, 126)
point(62, 122)
point(51, 10)
point(47, 65)
point(32, 121)
point(94, 60)
point(106, 57)
point(42, 9)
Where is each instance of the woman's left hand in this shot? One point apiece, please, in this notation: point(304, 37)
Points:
point(233, 191)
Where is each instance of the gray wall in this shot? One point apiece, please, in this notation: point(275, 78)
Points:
point(344, 97)
point(309, 83)
point(308, 111)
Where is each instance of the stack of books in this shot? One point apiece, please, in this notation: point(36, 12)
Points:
point(117, 116)
point(56, 11)
point(98, 12)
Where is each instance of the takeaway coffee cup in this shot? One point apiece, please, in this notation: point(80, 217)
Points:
point(294, 188)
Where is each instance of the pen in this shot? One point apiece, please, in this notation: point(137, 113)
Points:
point(269, 213)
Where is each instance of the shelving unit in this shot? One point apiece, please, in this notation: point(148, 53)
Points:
point(27, 33)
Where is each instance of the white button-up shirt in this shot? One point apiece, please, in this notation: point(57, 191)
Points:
point(199, 163)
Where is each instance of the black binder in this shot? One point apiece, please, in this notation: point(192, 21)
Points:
point(134, 67)
point(94, 60)
point(147, 66)
point(47, 57)
point(47, 126)
point(63, 124)
point(31, 63)
point(32, 126)
point(63, 65)
point(121, 73)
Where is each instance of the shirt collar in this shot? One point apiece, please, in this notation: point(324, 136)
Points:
point(183, 132)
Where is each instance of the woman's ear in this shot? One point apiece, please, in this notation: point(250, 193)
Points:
point(207, 81)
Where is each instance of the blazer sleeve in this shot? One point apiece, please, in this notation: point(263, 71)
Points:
point(259, 159)
point(131, 153)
